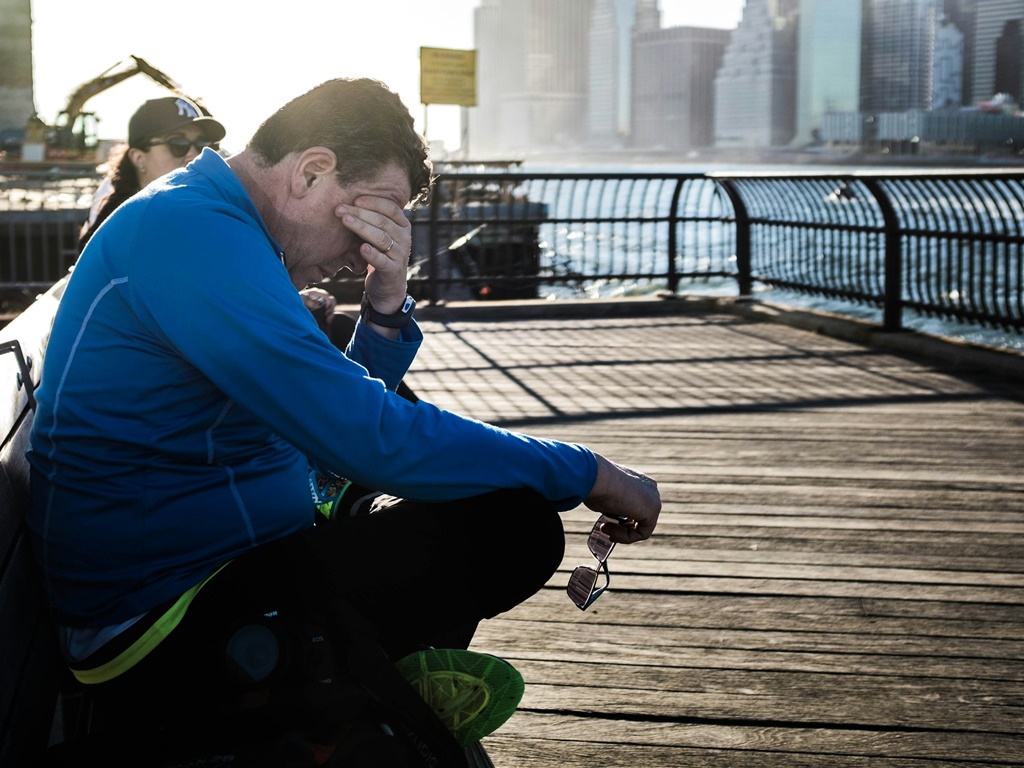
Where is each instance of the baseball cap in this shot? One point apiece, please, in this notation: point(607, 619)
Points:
point(159, 116)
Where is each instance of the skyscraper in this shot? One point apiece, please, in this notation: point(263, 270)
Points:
point(609, 84)
point(963, 15)
point(673, 87)
point(493, 75)
point(828, 63)
point(997, 49)
point(899, 42)
point(755, 90)
point(648, 16)
point(948, 66)
point(532, 65)
point(625, 13)
point(603, 80)
point(16, 95)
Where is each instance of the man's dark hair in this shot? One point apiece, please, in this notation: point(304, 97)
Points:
point(361, 120)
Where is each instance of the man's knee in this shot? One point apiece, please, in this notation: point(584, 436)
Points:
point(531, 536)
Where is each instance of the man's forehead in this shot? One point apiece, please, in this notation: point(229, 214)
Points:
point(391, 183)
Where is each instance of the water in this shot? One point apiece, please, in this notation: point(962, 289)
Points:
point(566, 249)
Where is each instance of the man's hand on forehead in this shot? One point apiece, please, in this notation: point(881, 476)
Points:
point(387, 243)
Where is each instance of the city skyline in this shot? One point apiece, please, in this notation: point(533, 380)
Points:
point(231, 65)
point(589, 75)
point(877, 76)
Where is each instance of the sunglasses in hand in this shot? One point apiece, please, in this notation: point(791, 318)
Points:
point(582, 588)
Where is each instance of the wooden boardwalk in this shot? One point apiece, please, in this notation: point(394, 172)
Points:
point(838, 575)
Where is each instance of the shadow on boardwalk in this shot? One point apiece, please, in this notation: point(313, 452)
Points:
point(838, 576)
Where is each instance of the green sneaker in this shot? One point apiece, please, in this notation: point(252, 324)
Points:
point(472, 693)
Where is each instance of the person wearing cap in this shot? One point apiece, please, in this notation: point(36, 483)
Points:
point(163, 134)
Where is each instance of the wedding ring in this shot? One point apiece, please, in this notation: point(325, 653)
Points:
point(390, 246)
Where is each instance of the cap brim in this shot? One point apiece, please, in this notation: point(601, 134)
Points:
point(212, 129)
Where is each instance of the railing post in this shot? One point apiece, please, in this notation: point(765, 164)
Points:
point(892, 317)
point(433, 242)
point(672, 274)
point(744, 276)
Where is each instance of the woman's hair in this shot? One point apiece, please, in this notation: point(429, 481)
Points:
point(124, 180)
point(361, 120)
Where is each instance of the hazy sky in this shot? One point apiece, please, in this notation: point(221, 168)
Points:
point(244, 61)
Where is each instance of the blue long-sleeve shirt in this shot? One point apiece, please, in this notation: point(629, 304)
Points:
point(186, 389)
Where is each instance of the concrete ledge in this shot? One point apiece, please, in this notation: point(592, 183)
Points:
point(639, 306)
point(954, 354)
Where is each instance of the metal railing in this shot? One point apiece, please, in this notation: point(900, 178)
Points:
point(947, 245)
point(941, 244)
point(41, 213)
point(568, 235)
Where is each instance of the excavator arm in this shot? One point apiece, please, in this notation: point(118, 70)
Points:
point(65, 136)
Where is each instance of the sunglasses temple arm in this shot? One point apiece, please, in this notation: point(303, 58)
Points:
point(598, 591)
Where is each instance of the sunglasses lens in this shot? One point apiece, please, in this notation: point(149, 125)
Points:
point(179, 146)
point(581, 586)
point(599, 544)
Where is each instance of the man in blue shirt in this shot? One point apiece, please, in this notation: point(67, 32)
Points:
point(187, 392)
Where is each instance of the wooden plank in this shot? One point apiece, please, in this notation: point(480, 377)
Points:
point(681, 548)
point(540, 740)
point(706, 565)
point(817, 699)
point(725, 613)
point(766, 586)
point(833, 653)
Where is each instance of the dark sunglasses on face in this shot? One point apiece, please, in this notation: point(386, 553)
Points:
point(179, 145)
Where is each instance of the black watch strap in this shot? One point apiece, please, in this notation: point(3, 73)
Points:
point(399, 319)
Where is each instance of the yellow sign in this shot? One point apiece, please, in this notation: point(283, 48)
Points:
point(447, 76)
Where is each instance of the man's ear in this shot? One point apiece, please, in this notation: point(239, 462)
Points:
point(311, 169)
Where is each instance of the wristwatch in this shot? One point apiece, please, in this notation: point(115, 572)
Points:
point(399, 319)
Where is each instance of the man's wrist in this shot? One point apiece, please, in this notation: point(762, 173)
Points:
point(399, 319)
